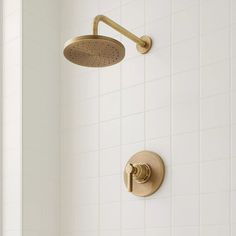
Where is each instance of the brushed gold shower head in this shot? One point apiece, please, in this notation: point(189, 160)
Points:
point(100, 51)
point(94, 51)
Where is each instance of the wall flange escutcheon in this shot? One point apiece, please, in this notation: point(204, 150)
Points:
point(144, 173)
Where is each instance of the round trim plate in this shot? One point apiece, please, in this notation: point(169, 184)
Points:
point(157, 173)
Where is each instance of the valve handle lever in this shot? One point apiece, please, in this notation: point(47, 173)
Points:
point(130, 170)
point(141, 172)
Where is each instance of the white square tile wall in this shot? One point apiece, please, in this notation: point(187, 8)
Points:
point(178, 100)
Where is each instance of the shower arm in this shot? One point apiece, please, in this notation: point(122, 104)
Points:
point(142, 43)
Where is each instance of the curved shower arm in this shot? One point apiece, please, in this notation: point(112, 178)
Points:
point(116, 27)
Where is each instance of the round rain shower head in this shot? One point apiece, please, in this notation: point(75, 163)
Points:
point(94, 51)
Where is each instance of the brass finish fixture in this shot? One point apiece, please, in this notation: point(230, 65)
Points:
point(100, 51)
point(140, 172)
point(144, 173)
point(143, 44)
point(94, 51)
point(144, 49)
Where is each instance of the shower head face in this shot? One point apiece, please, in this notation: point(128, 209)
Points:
point(94, 51)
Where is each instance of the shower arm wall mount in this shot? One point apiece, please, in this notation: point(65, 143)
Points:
point(143, 44)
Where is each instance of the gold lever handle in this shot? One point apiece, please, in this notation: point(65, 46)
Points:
point(140, 172)
point(130, 171)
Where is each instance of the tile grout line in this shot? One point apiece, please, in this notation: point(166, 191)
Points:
point(120, 77)
point(230, 119)
point(99, 158)
point(21, 130)
point(144, 117)
point(99, 144)
point(1, 119)
point(199, 132)
point(172, 232)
